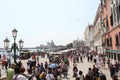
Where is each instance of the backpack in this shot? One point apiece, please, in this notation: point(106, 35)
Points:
point(15, 77)
point(18, 75)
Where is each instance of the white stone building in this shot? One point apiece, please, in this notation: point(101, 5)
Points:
point(88, 35)
point(93, 36)
point(78, 43)
point(97, 36)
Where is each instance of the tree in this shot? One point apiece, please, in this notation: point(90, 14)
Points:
point(69, 45)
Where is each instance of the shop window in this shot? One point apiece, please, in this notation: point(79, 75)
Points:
point(111, 55)
point(107, 54)
point(118, 57)
point(115, 56)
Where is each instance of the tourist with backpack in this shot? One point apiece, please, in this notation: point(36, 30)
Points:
point(21, 76)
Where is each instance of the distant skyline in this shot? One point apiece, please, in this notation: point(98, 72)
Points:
point(40, 21)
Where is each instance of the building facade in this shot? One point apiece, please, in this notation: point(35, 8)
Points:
point(97, 36)
point(51, 44)
point(91, 41)
point(111, 28)
point(88, 36)
point(78, 43)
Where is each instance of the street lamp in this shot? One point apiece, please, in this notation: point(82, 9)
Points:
point(14, 45)
point(14, 33)
point(6, 43)
point(21, 44)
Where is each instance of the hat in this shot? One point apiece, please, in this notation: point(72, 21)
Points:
point(80, 72)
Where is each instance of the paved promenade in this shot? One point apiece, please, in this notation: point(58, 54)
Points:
point(84, 67)
point(81, 66)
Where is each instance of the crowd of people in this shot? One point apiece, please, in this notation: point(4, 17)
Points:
point(96, 73)
point(40, 71)
point(16, 72)
point(44, 71)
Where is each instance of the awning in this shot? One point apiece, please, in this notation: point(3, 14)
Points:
point(114, 51)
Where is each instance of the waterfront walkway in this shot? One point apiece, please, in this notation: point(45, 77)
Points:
point(81, 66)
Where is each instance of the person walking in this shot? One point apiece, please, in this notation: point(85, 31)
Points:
point(65, 69)
point(81, 76)
point(22, 76)
point(50, 76)
point(75, 70)
point(17, 72)
point(10, 72)
point(37, 59)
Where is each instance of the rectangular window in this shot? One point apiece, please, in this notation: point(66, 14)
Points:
point(107, 22)
point(119, 8)
point(111, 55)
point(114, 20)
point(105, 1)
point(104, 42)
point(118, 57)
point(115, 56)
point(117, 40)
point(101, 3)
point(107, 42)
point(107, 28)
point(111, 42)
point(118, 14)
point(111, 19)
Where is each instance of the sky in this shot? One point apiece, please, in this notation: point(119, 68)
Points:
point(40, 21)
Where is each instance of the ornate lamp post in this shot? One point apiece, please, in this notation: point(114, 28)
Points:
point(14, 45)
point(21, 44)
point(6, 43)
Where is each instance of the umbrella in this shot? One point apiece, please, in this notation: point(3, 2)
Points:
point(53, 65)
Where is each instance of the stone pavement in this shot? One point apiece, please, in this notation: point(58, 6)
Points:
point(84, 67)
point(81, 66)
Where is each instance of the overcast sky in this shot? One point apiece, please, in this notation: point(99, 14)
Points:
point(40, 21)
